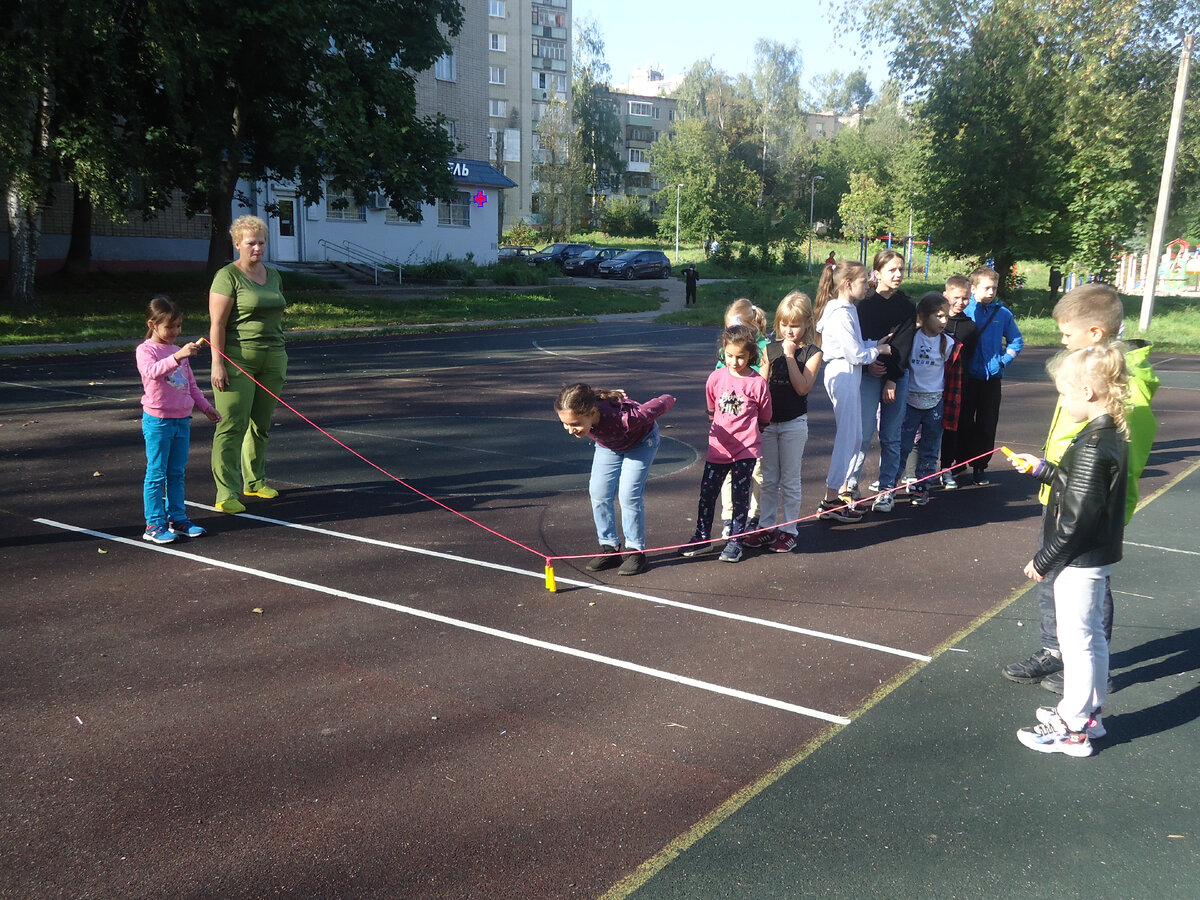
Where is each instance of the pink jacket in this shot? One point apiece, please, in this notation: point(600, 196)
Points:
point(171, 389)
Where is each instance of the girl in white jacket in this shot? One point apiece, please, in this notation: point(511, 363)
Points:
point(845, 354)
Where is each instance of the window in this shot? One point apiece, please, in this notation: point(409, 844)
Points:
point(497, 109)
point(548, 18)
point(443, 69)
point(548, 49)
point(457, 212)
point(670, 115)
point(549, 81)
point(342, 207)
point(497, 75)
point(498, 42)
point(496, 9)
point(638, 156)
point(637, 133)
point(448, 126)
point(638, 108)
point(393, 218)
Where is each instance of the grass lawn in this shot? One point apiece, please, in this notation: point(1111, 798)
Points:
point(112, 307)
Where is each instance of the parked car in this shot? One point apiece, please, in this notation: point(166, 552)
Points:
point(585, 265)
point(637, 264)
point(557, 254)
point(508, 254)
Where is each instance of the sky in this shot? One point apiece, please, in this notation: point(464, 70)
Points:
point(677, 33)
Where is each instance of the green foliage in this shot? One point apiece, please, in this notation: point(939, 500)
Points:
point(627, 217)
point(563, 174)
point(521, 234)
point(592, 112)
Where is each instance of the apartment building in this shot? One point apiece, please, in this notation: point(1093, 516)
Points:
point(529, 46)
point(644, 119)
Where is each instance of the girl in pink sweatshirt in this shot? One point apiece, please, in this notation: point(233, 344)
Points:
point(170, 394)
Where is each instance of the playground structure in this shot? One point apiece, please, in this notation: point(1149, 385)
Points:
point(1178, 270)
point(910, 242)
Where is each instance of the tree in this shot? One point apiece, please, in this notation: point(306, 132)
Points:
point(864, 209)
point(1043, 121)
point(561, 171)
point(595, 120)
point(716, 185)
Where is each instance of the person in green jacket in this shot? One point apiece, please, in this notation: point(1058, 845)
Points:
point(1089, 316)
point(245, 307)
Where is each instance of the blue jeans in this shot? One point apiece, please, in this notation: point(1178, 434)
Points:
point(929, 423)
point(167, 442)
point(890, 418)
point(623, 476)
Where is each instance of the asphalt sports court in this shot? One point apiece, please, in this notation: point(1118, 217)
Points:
point(353, 692)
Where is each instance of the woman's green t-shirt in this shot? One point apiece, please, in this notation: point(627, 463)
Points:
point(257, 314)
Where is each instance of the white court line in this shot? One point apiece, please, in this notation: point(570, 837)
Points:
point(469, 626)
point(1163, 549)
point(602, 588)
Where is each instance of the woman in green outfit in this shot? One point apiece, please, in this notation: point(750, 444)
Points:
point(245, 306)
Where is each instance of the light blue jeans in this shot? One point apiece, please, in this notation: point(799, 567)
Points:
point(167, 442)
point(890, 417)
point(622, 476)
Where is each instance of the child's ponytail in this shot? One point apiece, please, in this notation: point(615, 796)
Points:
point(581, 399)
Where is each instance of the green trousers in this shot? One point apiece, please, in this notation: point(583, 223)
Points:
point(239, 453)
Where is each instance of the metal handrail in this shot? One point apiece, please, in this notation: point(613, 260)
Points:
point(357, 253)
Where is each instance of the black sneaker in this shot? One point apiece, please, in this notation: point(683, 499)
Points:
point(837, 511)
point(698, 545)
point(606, 560)
point(1033, 669)
point(634, 564)
point(981, 477)
point(1054, 684)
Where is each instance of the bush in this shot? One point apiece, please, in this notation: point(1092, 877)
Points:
point(519, 273)
point(627, 217)
point(522, 234)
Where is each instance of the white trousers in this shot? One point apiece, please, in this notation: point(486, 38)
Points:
point(1078, 606)
point(783, 455)
point(842, 381)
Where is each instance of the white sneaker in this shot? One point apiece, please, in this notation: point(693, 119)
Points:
point(1095, 727)
point(1053, 736)
point(884, 503)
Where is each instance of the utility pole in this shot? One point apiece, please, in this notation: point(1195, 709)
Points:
point(1164, 186)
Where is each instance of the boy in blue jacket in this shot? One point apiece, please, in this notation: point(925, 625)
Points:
point(999, 342)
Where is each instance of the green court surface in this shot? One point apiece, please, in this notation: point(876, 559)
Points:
point(930, 795)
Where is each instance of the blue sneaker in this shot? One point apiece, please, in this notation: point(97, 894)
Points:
point(157, 534)
point(185, 528)
point(732, 552)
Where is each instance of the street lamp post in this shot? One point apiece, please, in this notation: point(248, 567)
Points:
point(677, 189)
point(812, 190)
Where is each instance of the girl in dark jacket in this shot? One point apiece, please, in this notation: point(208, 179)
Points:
point(1081, 540)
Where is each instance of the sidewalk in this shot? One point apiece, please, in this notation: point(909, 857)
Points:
point(929, 794)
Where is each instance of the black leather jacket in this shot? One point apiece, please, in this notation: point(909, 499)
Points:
point(1085, 516)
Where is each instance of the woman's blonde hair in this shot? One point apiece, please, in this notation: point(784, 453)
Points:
point(748, 314)
point(796, 309)
point(1102, 368)
point(243, 224)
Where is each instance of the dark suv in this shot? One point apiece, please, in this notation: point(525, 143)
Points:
point(557, 254)
point(586, 263)
point(637, 264)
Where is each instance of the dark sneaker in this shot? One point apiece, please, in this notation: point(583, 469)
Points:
point(1053, 736)
point(837, 511)
point(634, 564)
point(697, 545)
point(185, 528)
point(1054, 684)
point(608, 559)
point(948, 482)
point(732, 552)
point(783, 543)
point(981, 477)
point(1033, 669)
point(760, 540)
point(1095, 727)
point(919, 495)
point(156, 534)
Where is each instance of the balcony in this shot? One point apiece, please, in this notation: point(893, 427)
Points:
point(637, 167)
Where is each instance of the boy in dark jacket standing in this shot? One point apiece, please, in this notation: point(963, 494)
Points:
point(1082, 536)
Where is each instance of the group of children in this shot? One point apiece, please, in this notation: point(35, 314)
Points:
point(933, 380)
